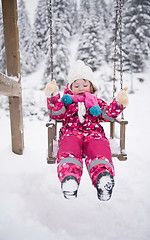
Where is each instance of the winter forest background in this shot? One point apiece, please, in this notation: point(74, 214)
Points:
point(32, 206)
point(90, 26)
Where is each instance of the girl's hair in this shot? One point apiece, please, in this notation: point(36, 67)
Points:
point(92, 88)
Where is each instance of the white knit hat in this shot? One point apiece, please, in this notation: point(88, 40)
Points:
point(81, 71)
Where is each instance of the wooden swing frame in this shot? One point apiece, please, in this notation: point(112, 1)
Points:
point(52, 124)
point(10, 84)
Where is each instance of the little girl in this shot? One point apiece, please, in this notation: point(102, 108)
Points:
point(82, 135)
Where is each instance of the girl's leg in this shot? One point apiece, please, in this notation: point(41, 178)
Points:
point(98, 158)
point(69, 158)
point(100, 166)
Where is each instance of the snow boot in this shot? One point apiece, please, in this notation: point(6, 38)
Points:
point(104, 186)
point(69, 187)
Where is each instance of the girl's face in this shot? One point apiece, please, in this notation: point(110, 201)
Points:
point(80, 86)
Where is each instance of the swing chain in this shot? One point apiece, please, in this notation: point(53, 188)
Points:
point(51, 45)
point(121, 2)
point(120, 42)
point(118, 31)
point(115, 48)
point(51, 37)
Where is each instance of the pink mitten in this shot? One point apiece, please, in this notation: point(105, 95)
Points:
point(92, 103)
point(90, 100)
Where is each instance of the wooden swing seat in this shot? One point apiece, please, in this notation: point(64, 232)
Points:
point(118, 151)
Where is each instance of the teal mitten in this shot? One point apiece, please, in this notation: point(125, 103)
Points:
point(95, 110)
point(67, 99)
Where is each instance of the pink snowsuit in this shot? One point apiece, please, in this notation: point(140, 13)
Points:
point(82, 140)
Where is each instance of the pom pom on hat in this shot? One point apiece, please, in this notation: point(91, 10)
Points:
point(81, 71)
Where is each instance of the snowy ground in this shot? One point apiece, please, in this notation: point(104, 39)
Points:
point(31, 203)
point(32, 206)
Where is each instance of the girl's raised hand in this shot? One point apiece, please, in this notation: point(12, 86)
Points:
point(51, 88)
point(122, 97)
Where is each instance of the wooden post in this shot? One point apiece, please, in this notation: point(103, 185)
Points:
point(112, 130)
point(51, 137)
point(122, 135)
point(10, 19)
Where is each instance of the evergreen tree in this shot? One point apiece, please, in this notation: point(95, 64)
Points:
point(110, 31)
point(101, 10)
point(84, 11)
point(27, 60)
point(62, 10)
point(41, 25)
point(104, 18)
point(2, 46)
point(61, 37)
point(136, 34)
point(37, 55)
point(74, 19)
point(91, 45)
point(85, 7)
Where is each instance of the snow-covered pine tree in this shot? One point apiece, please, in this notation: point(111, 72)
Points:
point(61, 37)
point(91, 44)
point(62, 10)
point(60, 58)
point(3, 69)
point(104, 18)
point(2, 56)
point(41, 25)
point(136, 34)
point(73, 15)
point(27, 60)
point(110, 30)
point(37, 55)
point(2, 46)
point(85, 7)
point(101, 10)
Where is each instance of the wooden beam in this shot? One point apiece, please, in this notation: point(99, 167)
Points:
point(10, 20)
point(9, 87)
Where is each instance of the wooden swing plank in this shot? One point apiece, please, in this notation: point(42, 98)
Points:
point(121, 157)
